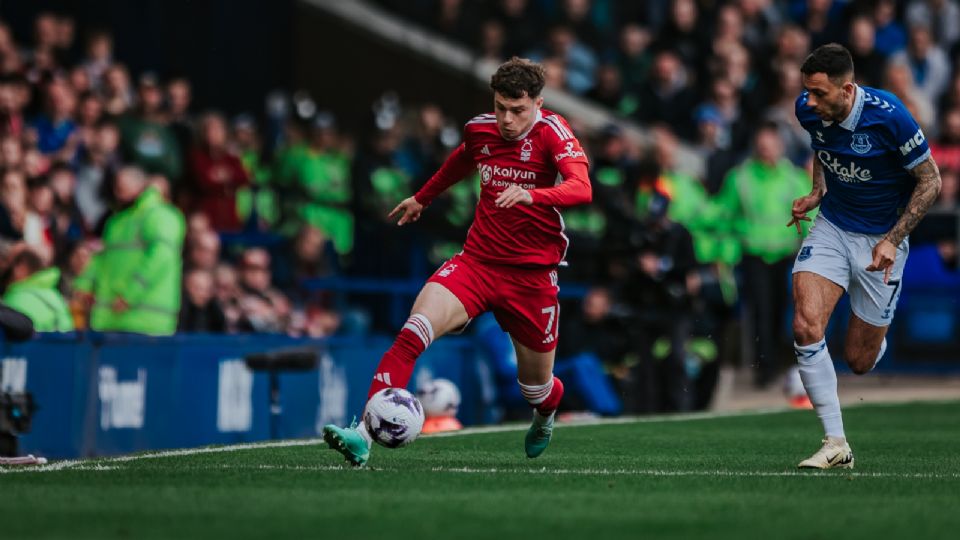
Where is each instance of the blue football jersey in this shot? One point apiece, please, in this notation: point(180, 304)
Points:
point(866, 160)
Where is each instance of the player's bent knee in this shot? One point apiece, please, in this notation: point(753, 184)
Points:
point(806, 330)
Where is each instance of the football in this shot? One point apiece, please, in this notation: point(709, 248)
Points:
point(440, 397)
point(393, 417)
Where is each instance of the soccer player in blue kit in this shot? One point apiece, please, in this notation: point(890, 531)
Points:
point(874, 180)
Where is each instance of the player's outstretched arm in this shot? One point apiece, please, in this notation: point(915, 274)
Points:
point(923, 197)
point(805, 204)
point(457, 166)
point(575, 188)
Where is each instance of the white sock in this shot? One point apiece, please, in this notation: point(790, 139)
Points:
point(883, 349)
point(535, 393)
point(820, 381)
point(362, 430)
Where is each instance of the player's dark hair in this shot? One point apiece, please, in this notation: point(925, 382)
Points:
point(833, 59)
point(518, 77)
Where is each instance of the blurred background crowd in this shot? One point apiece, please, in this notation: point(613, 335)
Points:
point(127, 208)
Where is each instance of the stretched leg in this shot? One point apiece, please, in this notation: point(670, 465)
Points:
point(435, 312)
point(542, 391)
point(865, 345)
point(815, 298)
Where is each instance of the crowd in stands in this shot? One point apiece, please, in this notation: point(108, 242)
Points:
point(269, 199)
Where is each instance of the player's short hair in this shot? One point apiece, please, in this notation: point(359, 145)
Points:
point(832, 59)
point(518, 77)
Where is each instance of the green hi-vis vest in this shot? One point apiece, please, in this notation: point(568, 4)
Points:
point(141, 263)
point(755, 202)
point(37, 297)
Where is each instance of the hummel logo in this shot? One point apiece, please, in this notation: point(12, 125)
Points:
point(384, 378)
point(485, 150)
point(820, 137)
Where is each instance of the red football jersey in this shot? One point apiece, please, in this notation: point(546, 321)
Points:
point(548, 161)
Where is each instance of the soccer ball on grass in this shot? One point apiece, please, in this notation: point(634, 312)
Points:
point(393, 417)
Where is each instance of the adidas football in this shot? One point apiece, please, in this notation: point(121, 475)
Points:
point(393, 417)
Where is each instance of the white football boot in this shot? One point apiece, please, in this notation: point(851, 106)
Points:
point(835, 454)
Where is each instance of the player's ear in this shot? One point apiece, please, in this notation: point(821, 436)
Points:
point(538, 102)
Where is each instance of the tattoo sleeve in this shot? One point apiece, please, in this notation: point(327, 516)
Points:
point(819, 181)
point(924, 194)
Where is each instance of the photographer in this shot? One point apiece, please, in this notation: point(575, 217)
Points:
point(658, 290)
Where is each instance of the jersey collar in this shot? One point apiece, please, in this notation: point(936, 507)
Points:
point(850, 122)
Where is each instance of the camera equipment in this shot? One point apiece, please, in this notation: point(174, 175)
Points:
point(16, 413)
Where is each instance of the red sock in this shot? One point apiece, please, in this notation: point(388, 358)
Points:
point(396, 366)
point(553, 400)
point(545, 398)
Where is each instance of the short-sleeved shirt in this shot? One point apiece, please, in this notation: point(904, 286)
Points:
point(866, 160)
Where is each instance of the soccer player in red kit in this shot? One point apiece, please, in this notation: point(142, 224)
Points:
point(530, 165)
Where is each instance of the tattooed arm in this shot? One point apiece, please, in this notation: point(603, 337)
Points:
point(924, 195)
point(819, 180)
point(928, 187)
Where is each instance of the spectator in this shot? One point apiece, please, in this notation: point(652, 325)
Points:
point(521, 22)
point(145, 138)
point(13, 98)
point(179, 97)
point(56, 127)
point(823, 20)
point(492, 42)
point(263, 308)
point(753, 200)
point(38, 225)
point(633, 57)
point(951, 98)
point(940, 16)
point(609, 91)
point(134, 282)
point(31, 289)
point(899, 81)
point(946, 149)
point(67, 224)
point(578, 16)
point(99, 57)
point(578, 60)
point(796, 140)
point(761, 19)
point(227, 292)
point(217, 175)
point(258, 201)
point(13, 205)
point(927, 62)
point(203, 251)
point(891, 36)
point(668, 96)
point(76, 260)
point(117, 94)
point(95, 165)
point(89, 115)
point(200, 311)
point(867, 60)
point(686, 36)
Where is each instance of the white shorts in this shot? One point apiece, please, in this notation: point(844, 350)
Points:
point(842, 257)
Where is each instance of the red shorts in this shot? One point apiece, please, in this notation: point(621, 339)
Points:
point(524, 301)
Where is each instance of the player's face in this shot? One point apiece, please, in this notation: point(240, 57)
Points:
point(515, 116)
point(828, 100)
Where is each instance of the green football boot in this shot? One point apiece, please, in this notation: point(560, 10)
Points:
point(538, 436)
point(349, 442)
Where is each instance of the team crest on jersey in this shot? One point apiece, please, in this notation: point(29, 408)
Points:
point(525, 150)
point(805, 253)
point(861, 143)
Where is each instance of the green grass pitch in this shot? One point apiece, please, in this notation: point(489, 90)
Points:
point(700, 477)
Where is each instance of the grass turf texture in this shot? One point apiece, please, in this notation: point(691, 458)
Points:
point(725, 477)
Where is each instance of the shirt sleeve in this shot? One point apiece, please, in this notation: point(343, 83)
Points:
point(457, 166)
point(575, 188)
point(911, 143)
